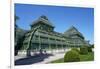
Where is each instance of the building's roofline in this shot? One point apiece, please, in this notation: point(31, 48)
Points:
point(44, 20)
point(68, 32)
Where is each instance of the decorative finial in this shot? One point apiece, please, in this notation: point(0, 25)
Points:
point(44, 17)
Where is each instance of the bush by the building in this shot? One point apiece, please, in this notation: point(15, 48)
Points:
point(84, 50)
point(92, 46)
point(89, 49)
point(71, 56)
point(75, 49)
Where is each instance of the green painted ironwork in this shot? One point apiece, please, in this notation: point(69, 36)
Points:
point(48, 38)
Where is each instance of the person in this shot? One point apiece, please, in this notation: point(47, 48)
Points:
point(45, 52)
point(41, 51)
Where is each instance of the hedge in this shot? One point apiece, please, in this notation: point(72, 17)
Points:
point(71, 56)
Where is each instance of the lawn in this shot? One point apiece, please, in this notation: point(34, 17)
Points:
point(87, 57)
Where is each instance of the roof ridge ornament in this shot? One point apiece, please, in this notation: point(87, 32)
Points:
point(44, 17)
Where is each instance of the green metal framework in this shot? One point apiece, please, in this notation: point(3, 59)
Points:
point(46, 38)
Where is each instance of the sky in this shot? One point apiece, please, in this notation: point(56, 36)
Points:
point(62, 17)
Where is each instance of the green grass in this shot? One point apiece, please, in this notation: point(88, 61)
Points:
point(58, 61)
point(87, 57)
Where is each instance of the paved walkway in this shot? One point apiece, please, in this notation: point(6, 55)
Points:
point(52, 58)
point(39, 59)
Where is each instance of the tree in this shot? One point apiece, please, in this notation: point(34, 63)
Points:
point(16, 18)
point(19, 36)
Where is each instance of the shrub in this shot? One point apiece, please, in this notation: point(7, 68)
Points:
point(89, 49)
point(84, 50)
point(92, 45)
point(71, 56)
point(75, 49)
